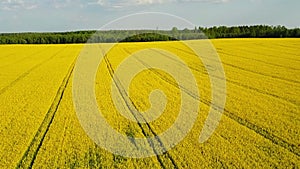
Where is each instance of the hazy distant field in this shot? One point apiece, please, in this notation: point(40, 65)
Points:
point(260, 127)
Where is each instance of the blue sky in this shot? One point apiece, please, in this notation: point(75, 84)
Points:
point(68, 15)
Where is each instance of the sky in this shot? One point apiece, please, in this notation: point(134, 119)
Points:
point(72, 15)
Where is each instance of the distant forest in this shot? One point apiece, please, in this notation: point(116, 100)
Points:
point(109, 36)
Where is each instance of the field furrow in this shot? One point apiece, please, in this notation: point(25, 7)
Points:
point(267, 63)
point(11, 84)
point(30, 98)
point(18, 59)
point(236, 82)
point(254, 71)
point(31, 153)
point(145, 127)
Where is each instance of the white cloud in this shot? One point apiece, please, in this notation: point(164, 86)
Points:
point(61, 3)
point(12, 5)
point(17, 4)
point(126, 3)
point(57, 4)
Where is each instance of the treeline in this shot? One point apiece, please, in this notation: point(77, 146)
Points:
point(109, 36)
point(46, 38)
point(148, 37)
point(258, 31)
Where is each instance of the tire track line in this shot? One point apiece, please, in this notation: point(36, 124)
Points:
point(169, 82)
point(291, 101)
point(259, 130)
point(148, 127)
point(62, 141)
point(247, 70)
point(11, 52)
point(25, 57)
point(261, 61)
point(269, 55)
point(294, 102)
point(124, 95)
point(8, 55)
point(11, 84)
point(263, 74)
point(30, 154)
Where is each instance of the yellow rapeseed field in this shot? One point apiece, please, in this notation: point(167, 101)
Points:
point(259, 127)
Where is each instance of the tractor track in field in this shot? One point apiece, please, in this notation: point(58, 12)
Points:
point(124, 95)
point(263, 74)
point(294, 102)
point(30, 154)
point(257, 129)
point(62, 141)
point(285, 51)
point(8, 55)
point(25, 57)
point(283, 99)
point(287, 100)
point(257, 60)
point(247, 70)
point(285, 46)
point(269, 55)
point(11, 84)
